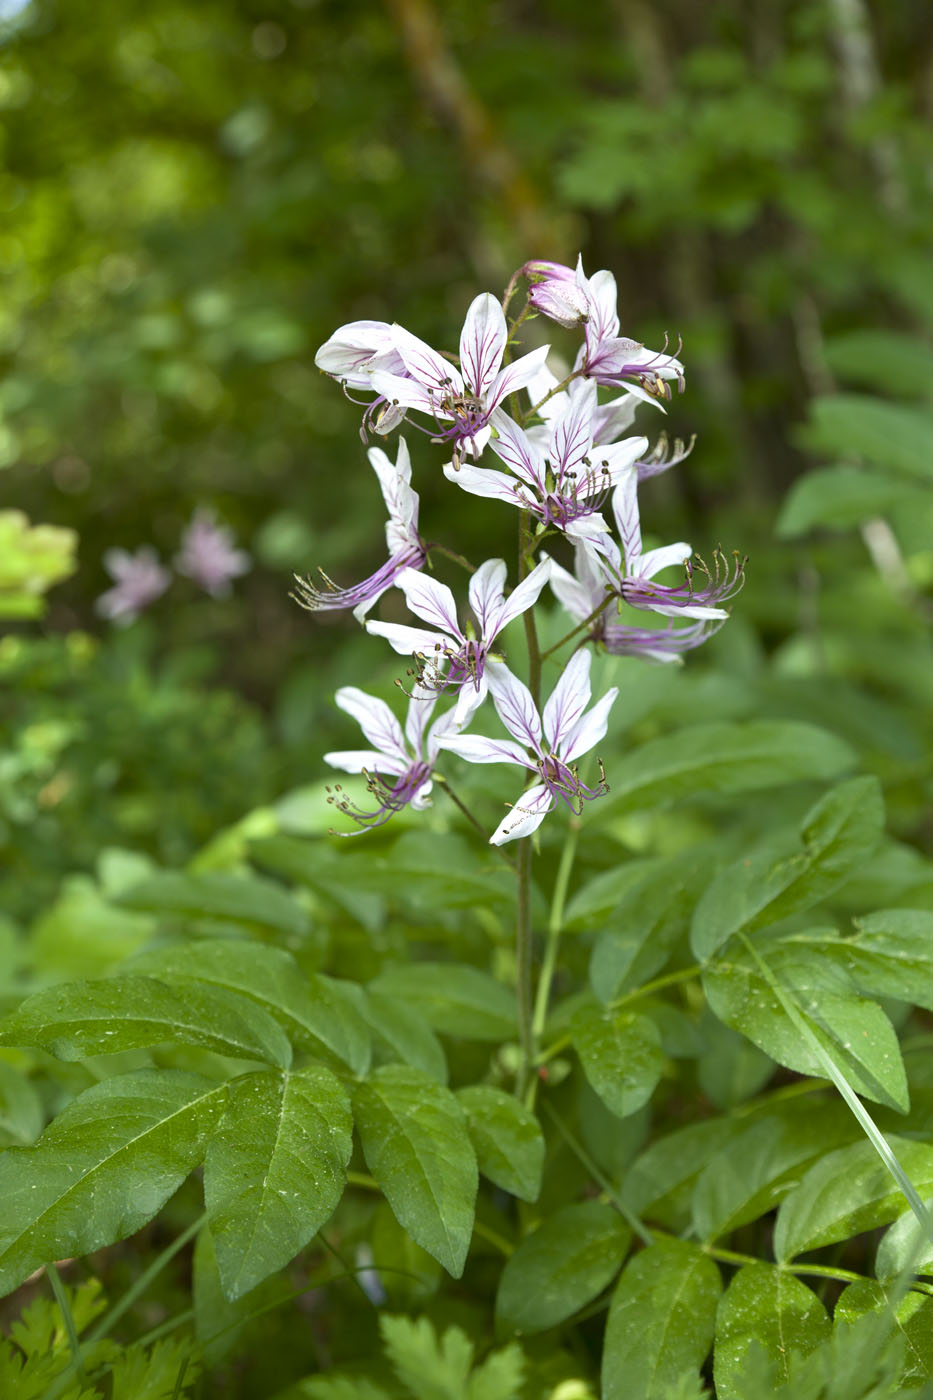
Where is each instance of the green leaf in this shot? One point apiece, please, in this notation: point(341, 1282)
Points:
point(417, 1147)
point(762, 1164)
point(621, 1055)
point(890, 954)
point(660, 1321)
point(244, 901)
point(403, 1033)
point(222, 1325)
point(645, 927)
point(842, 829)
point(767, 1306)
point(905, 1246)
point(78, 1019)
point(882, 359)
point(103, 1167)
point(588, 909)
point(453, 998)
point(561, 1267)
point(441, 1369)
point(275, 1170)
point(891, 435)
point(909, 1317)
point(847, 1192)
point(842, 497)
point(726, 758)
point(507, 1138)
point(20, 1107)
point(667, 1170)
point(314, 1010)
point(855, 1033)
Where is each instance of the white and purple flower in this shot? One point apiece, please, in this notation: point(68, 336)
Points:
point(631, 574)
point(139, 579)
point(209, 556)
point(558, 292)
point(588, 597)
point(454, 658)
point(563, 483)
point(406, 548)
point(546, 746)
point(460, 401)
point(398, 768)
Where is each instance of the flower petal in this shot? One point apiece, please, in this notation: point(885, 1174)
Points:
point(669, 556)
point(426, 365)
point(590, 728)
point(525, 817)
point(412, 641)
point(476, 748)
point(572, 432)
point(514, 705)
point(502, 610)
point(485, 481)
point(515, 448)
point(356, 760)
point(487, 587)
point(420, 709)
point(515, 376)
point(625, 509)
point(431, 601)
point(401, 501)
point(568, 699)
point(375, 719)
point(604, 321)
point(482, 343)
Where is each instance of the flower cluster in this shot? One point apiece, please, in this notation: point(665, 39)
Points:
point(207, 556)
point(568, 463)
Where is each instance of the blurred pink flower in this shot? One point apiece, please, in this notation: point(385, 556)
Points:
point(208, 555)
point(139, 579)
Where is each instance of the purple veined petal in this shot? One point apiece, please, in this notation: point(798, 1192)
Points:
point(412, 641)
point(487, 587)
point(445, 725)
point(420, 709)
point(669, 556)
point(514, 447)
point(668, 602)
point(401, 501)
point(469, 699)
point(515, 376)
point(431, 601)
point(487, 482)
point(611, 420)
point(354, 349)
point(604, 321)
point(426, 365)
point(375, 719)
point(572, 432)
point(568, 699)
point(628, 520)
point(476, 748)
point(503, 610)
point(617, 458)
point(525, 816)
point(360, 760)
point(590, 728)
point(402, 393)
point(514, 705)
point(541, 269)
point(482, 343)
point(586, 529)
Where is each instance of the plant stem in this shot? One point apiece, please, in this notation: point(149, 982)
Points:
point(108, 1322)
point(452, 554)
point(524, 957)
point(61, 1298)
point(555, 924)
point(579, 627)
